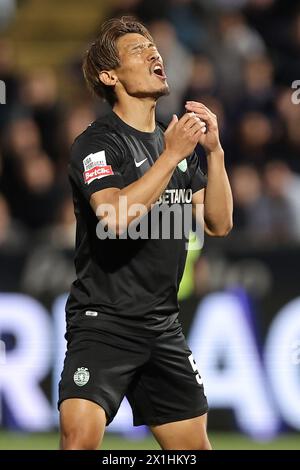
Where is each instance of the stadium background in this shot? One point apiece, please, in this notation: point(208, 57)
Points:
point(240, 303)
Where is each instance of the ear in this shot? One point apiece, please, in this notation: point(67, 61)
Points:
point(108, 77)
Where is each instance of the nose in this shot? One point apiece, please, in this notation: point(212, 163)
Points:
point(153, 55)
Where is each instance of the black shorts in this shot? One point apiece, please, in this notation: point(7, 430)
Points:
point(157, 375)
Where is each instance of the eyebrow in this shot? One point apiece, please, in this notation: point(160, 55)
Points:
point(141, 44)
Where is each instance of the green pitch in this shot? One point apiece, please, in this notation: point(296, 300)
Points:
point(13, 441)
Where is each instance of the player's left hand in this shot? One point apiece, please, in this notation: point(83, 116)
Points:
point(210, 140)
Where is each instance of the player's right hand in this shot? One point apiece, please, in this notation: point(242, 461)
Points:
point(182, 136)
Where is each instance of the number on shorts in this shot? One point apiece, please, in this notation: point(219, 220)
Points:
point(195, 369)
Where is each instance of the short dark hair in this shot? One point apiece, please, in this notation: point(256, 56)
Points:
point(103, 53)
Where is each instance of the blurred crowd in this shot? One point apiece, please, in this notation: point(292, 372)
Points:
point(239, 57)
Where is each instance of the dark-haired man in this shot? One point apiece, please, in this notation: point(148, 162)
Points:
point(124, 338)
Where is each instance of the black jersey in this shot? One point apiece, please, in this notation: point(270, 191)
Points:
point(127, 281)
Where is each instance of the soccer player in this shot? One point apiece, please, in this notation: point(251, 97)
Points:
point(123, 333)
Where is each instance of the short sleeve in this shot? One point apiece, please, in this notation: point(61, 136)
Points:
point(198, 178)
point(95, 164)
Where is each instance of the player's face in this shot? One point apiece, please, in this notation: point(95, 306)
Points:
point(141, 71)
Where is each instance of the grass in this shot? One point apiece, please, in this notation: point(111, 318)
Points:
point(220, 441)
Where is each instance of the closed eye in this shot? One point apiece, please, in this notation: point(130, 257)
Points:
point(140, 47)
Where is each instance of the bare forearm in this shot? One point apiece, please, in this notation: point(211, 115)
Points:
point(146, 190)
point(218, 197)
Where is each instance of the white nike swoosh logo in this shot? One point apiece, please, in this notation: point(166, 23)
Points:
point(137, 164)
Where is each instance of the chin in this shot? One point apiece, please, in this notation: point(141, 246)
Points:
point(162, 91)
point(165, 90)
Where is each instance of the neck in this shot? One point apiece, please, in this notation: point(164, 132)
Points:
point(137, 113)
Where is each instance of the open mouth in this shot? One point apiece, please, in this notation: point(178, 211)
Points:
point(159, 71)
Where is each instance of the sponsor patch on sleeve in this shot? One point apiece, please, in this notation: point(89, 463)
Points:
point(95, 167)
point(94, 159)
point(97, 172)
